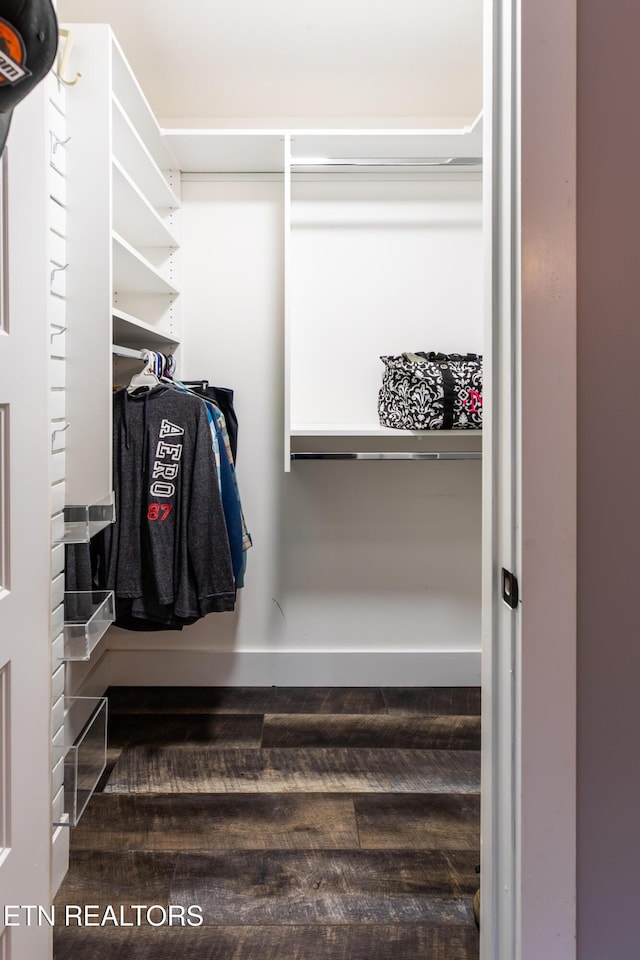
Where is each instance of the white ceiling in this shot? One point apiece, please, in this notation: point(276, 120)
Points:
point(203, 59)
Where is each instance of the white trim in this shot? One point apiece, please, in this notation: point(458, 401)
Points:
point(59, 857)
point(291, 668)
point(286, 301)
point(498, 933)
point(529, 656)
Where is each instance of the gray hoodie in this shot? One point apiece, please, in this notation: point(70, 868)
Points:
point(168, 551)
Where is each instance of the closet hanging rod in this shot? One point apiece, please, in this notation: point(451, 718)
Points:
point(386, 162)
point(129, 352)
point(399, 455)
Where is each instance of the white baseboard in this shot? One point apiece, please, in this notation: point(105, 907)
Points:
point(287, 669)
point(59, 858)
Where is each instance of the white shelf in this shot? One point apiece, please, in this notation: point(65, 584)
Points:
point(370, 455)
point(133, 215)
point(133, 155)
point(132, 273)
point(369, 442)
point(251, 150)
point(130, 331)
point(227, 151)
point(464, 143)
point(129, 93)
point(371, 430)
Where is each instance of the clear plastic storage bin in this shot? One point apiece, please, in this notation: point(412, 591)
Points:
point(79, 755)
point(82, 522)
point(87, 616)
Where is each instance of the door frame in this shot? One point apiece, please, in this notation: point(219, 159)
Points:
point(25, 504)
point(529, 494)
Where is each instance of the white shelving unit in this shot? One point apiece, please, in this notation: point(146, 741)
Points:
point(130, 331)
point(128, 92)
point(133, 273)
point(123, 252)
point(133, 215)
point(228, 151)
point(326, 173)
point(381, 226)
point(145, 186)
point(131, 151)
point(114, 249)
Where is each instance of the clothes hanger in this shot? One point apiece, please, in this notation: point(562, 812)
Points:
point(196, 384)
point(146, 378)
point(168, 369)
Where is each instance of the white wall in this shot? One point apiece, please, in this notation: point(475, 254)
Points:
point(349, 558)
point(378, 267)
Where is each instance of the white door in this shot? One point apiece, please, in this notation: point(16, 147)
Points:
point(25, 557)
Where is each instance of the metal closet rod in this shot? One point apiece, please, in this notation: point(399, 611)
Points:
point(400, 455)
point(387, 162)
point(129, 352)
point(133, 354)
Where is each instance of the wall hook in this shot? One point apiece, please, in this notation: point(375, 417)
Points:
point(56, 269)
point(56, 142)
point(63, 59)
point(57, 333)
point(55, 431)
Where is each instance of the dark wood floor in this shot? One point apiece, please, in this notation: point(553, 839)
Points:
point(307, 824)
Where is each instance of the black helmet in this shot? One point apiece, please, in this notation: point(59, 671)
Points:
point(28, 44)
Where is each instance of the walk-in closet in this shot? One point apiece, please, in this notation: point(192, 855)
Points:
point(273, 213)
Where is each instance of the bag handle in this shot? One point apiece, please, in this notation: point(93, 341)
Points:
point(447, 356)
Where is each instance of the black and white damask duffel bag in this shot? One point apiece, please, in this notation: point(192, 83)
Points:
point(431, 391)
